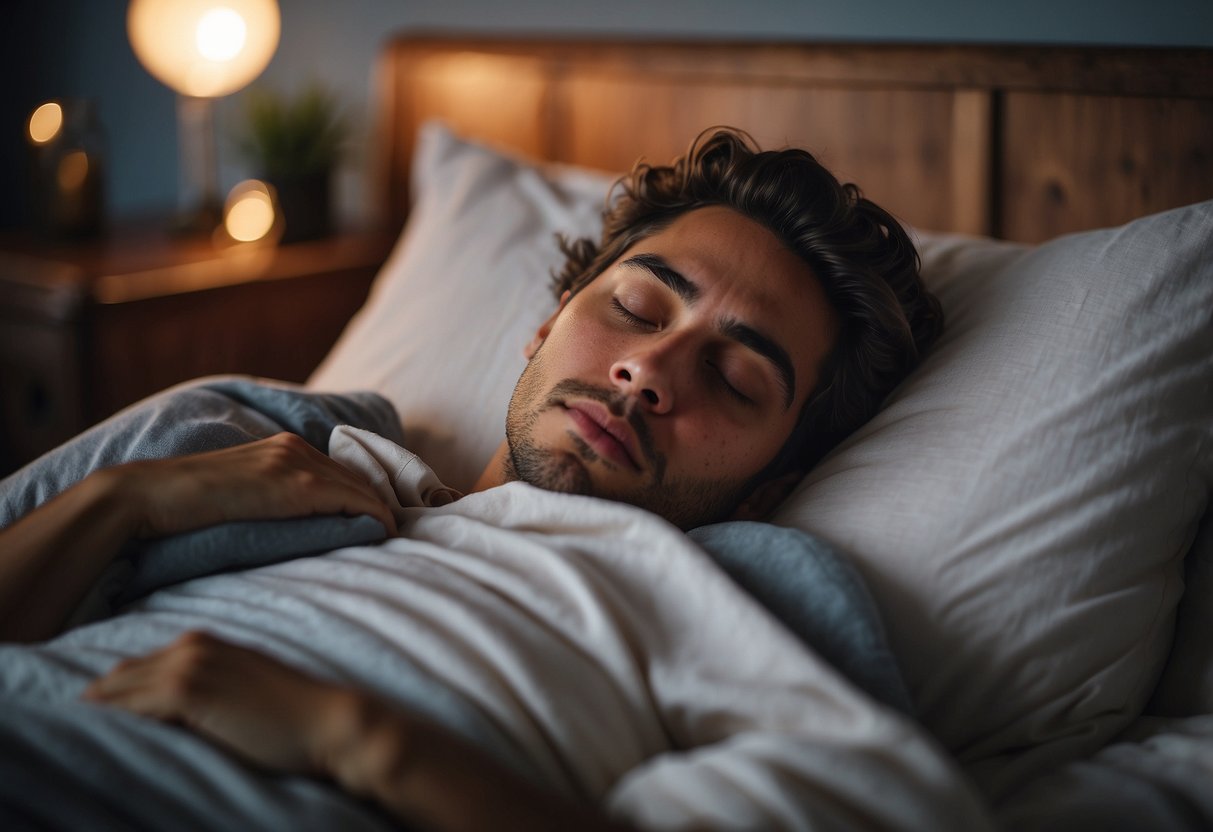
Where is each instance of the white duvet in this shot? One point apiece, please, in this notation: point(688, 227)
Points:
point(602, 649)
point(633, 671)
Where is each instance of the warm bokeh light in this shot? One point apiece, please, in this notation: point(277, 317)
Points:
point(204, 48)
point(221, 34)
point(73, 168)
point(250, 213)
point(45, 122)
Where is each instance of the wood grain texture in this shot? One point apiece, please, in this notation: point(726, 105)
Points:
point(1092, 69)
point(1079, 161)
point(86, 329)
point(253, 328)
point(974, 139)
point(861, 136)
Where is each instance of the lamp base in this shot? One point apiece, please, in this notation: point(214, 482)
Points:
point(199, 206)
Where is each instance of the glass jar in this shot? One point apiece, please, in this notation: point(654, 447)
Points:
point(69, 172)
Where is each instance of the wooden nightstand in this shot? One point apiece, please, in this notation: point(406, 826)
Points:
point(88, 328)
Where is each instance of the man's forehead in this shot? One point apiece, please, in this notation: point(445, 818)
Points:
point(716, 244)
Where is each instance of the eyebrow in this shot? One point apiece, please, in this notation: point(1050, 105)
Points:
point(657, 267)
point(731, 328)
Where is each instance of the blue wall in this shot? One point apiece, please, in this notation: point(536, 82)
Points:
point(66, 48)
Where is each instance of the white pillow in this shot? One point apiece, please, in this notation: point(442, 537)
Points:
point(1186, 686)
point(442, 333)
point(1021, 506)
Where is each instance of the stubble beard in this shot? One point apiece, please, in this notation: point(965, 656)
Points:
point(685, 502)
point(550, 470)
point(561, 471)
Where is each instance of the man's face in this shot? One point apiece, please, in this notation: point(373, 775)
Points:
point(674, 377)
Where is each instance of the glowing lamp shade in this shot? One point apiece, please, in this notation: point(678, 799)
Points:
point(204, 48)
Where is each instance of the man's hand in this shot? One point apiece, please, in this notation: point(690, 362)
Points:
point(281, 476)
point(250, 703)
point(50, 557)
point(287, 721)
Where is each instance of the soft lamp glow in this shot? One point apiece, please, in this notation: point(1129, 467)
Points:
point(204, 48)
point(221, 34)
point(250, 213)
point(73, 170)
point(45, 122)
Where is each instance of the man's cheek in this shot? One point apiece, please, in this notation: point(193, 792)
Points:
point(544, 427)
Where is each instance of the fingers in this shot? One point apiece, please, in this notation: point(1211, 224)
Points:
point(238, 698)
point(278, 477)
point(158, 685)
point(328, 485)
point(360, 497)
point(135, 689)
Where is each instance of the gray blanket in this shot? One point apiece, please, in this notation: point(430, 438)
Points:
point(67, 765)
point(206, 415)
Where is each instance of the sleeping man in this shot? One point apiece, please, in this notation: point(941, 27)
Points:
point(549, 650)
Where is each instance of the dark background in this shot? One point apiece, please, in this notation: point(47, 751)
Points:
point(78, 49)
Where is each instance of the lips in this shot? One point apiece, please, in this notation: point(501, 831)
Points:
point(607, 434)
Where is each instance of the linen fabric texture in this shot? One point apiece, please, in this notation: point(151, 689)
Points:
point(1020, 508)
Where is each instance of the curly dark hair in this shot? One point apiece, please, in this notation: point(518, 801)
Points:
point(863, 258)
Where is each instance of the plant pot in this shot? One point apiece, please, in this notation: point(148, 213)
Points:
point(305, 203)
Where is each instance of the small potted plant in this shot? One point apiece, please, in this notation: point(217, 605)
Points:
point(294, 143)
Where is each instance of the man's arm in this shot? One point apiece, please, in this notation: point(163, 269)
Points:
point(50, 557)
point(286, 721)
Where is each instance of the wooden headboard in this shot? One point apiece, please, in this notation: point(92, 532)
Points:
point(1017, 142)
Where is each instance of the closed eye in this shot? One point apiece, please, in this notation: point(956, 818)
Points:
point(629, 316)
point(728, 386)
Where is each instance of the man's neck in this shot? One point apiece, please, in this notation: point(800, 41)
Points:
point(499, 471)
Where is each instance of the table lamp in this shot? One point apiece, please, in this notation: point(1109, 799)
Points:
point(202, 49)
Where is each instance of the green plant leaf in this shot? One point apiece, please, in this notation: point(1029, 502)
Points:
point(293, 136)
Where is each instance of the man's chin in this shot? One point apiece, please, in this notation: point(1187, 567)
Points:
point(562, 472)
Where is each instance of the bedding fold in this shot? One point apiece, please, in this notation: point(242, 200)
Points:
point(203, 415)
point(585, 644)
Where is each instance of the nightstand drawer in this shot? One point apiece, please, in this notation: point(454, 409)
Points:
point(40, 390)
point(276, 329)
point(88, 330)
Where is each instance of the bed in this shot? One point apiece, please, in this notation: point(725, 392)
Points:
point(973, 146)
point(1029, 510)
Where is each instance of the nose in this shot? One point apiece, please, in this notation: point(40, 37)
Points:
point(646, 377)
